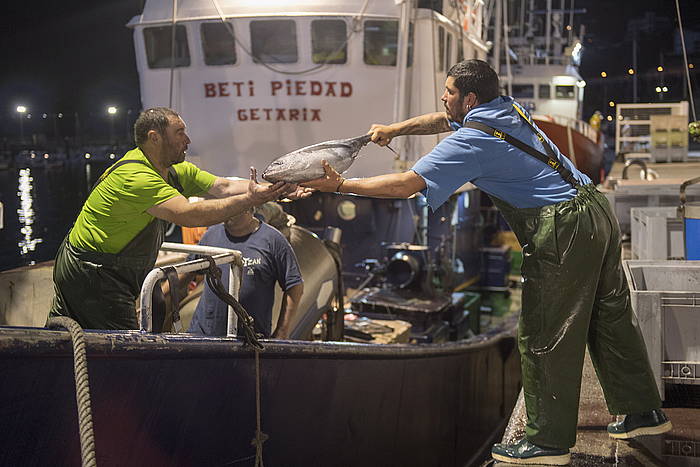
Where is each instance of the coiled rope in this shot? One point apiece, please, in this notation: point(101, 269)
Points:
point(82, 387)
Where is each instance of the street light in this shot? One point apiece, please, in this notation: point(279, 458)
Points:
point(630, 71)
point(21, 110)
point(659, 68)
point(111, 111)
point(603, 74)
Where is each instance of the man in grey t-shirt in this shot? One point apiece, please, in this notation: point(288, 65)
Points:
point(268, 258)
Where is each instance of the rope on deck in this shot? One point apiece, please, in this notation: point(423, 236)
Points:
point(82, 387)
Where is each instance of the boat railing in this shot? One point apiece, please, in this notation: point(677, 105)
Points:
point(579, 125)
point(219, 255)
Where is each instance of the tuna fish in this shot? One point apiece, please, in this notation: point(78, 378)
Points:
point(304, 164)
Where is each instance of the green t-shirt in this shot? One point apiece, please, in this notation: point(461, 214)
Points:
point(115, 211)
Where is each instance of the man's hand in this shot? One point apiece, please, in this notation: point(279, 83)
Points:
point(300, 192)
point(261, 194)
point(381, 134)
point(330, 182)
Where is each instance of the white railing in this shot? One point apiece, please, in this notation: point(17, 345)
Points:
point(219, 255)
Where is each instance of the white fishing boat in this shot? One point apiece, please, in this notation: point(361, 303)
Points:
point(537, 54)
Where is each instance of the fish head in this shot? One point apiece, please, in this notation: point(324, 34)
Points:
point(286, 168)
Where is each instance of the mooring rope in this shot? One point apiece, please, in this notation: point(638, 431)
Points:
point(260, 437)
point(247, 324)
point(82, 387)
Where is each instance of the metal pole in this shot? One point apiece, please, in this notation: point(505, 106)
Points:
point(506, 48)
point(401, 98)
point(548, 35)
point(21, 128)
point(634, 66)
point(497, 37)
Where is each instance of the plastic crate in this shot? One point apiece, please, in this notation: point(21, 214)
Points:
point(666, 300)
point(640, 194)
point(656, 233)
point(495, 266)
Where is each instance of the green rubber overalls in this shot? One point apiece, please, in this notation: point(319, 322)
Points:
point(99, 290)
point(574, 293)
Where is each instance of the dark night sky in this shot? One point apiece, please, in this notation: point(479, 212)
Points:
point(78, 55)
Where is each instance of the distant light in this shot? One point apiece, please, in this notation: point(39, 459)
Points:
point(111, 110)
point(112, 156)
point(32, 155)
point(581, 84)
point(659, 68)
point(60, 115)
point(21, 109)
point(29, 115)
point(576, 53)
point(630, 71)
point(87, 155)
point(611, 104)
point(44, 115)
point(658, 89)
point(603, 74)
point(46, 155)
point(609, 118)
point(691, 66)
point(568, 27)
point(664, 89)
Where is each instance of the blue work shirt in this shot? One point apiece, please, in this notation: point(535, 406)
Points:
point(495, 166)
point(267, 258)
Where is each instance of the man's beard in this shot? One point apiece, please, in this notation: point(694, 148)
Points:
point(174, 154)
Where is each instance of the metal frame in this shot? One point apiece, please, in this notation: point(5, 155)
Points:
point(219, 255)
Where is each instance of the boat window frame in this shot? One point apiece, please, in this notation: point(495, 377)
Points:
point(522, 86)
point(441, 48)
point(345, 40)
point(448, 49)
point(365, 55)
point(565, 98)
point(203, 42)
point(254, 42)
point(164, 61)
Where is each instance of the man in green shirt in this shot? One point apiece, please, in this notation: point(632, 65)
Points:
point(104, 259)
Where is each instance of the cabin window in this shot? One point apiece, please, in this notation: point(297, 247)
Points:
point(544, 91)
point(564, 92)
point(329, 41)
point(448, 52)
point(523, 91)
point(218, 43)
point(381, 41)
point(159, 44)
point(274, 41)
point(441, 48)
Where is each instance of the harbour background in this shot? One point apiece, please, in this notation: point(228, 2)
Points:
point(40, 206)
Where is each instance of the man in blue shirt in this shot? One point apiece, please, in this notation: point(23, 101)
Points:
point(268, 258)
point(574, 290)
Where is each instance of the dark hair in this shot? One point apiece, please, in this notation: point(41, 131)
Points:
point(475, 76)
point(157, 118)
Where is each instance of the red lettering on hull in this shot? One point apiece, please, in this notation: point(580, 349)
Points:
point(275, 115)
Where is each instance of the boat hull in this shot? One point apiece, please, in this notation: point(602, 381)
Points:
point(185, 401)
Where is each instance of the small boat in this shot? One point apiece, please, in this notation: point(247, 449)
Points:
point(189, 401)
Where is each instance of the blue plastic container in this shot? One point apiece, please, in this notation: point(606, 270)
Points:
point(692, 231)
